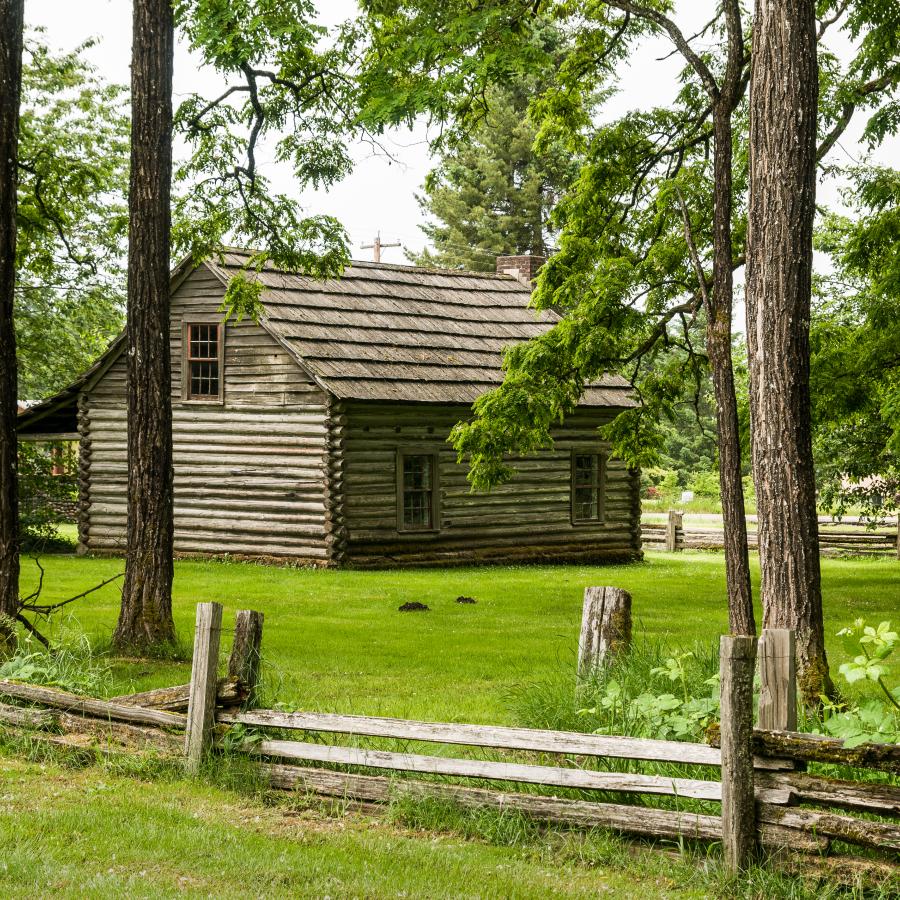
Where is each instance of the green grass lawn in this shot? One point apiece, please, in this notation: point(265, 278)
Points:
point(334, 640)
point(95, 834)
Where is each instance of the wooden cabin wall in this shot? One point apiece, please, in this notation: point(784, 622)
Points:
point(526, 519)
point(249, 472)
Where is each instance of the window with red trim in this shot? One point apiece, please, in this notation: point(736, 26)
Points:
point(203, 361)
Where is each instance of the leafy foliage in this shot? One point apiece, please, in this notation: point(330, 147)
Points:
point(492, 194)
point(873, 720)
point(41, 493)
point(855, 360)
point(286, 84)
point(72, 666)
point(659, 715)
point(623, 279)
point(72, 218)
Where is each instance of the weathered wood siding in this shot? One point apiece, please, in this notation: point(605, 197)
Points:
point(527, 519)
point(249, 472)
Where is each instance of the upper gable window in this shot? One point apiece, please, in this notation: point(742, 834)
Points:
point(203, 361)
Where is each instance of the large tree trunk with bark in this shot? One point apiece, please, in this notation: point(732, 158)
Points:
point(145, 619)
point(11, 19)
point(783, 115)
point(718, 345)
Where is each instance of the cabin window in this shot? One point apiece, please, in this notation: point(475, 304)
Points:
point(588, 487)
point(417, 491)
point(203, 361)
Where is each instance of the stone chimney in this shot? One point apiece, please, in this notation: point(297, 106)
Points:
point(525, 268)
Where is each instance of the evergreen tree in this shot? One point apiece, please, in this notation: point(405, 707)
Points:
point(492, 193)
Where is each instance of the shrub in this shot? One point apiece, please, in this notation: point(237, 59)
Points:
point(43, 495)
point(876, 719)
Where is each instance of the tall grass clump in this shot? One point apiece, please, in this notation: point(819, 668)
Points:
point(655, 690)
point(74, 664)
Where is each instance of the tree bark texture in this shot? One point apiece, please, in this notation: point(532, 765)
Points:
point(718, 345)
point(11, 23)
point(145, 618)
point(783, 113)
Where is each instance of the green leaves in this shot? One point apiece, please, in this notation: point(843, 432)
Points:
point(873, 720)
point(286, 85)
point(72, 217)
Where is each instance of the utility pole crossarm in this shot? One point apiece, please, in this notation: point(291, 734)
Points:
point(378, 246)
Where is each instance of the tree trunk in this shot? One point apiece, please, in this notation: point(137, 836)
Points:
point(718, 346)
point(11, 19)
point(145, 619)
point(783, 115)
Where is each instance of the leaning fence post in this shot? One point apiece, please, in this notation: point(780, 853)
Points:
point(605, 627)
point(243, 664)
point(777, 680)
point(202, 696)
point(673, 530)
point(737, 655)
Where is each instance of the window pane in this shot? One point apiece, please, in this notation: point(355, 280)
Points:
point(585, 502)
point(418, 493)
point(417, 509)
point(585, 466)
point(585, 478)
point(416, 473)
point(203, 360)
point(203, 342)
point(204, 379)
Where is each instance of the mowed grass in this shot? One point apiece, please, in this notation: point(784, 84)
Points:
point(335, 641)
point(95, 834)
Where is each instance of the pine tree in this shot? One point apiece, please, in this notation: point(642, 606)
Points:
point(492, 194)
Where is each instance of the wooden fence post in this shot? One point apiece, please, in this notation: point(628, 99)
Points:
point(777, 680)
point(898, 536)
point(202, 697)
point(673, 527)
point(605, 627)
point(737, 655)
point(243, 663)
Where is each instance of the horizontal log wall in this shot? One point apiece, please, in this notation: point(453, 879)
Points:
point(249, 472)
point(527, 519)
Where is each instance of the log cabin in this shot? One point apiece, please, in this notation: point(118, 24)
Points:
point(318, 434)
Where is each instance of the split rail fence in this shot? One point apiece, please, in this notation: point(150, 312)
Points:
point(748, 790)
point(847, 539)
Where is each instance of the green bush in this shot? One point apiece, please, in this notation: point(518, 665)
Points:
point(42, 497)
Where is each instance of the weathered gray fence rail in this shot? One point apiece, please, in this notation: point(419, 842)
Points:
point(672, 536)
point(764, 800)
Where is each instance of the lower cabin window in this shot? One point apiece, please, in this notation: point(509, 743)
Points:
point(588, 487)
point(417, 491)
point(203, 361)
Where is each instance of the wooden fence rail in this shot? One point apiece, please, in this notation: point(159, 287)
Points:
point(764, 799)
point(673, 536)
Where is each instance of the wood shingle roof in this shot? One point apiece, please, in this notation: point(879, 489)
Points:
point(388, 332)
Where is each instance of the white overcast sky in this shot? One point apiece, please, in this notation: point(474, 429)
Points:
point(379, 195)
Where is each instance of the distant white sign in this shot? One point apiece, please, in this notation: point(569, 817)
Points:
point(687, 496)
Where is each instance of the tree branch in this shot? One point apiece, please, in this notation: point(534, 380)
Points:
point(692, 250)
point(678, 38)
point(890, 79)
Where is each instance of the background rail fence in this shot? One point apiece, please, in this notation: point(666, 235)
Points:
point(834, 539)
point(746, 789)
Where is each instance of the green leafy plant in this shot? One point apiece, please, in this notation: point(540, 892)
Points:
point(73, 666)
point(663, 716)
point(873, 720)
